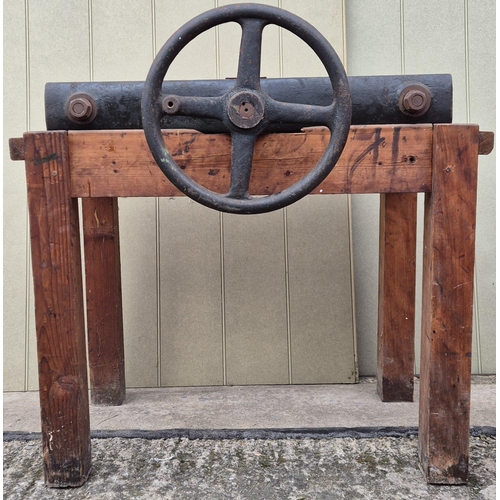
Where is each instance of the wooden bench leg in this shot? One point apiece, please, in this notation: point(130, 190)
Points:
point(57, 278)
point(448, 271)
point(396, 313)
point(104, 300)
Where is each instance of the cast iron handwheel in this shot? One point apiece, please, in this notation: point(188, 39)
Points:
point(245, 109)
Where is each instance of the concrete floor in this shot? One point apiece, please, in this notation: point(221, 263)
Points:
point(251, 407)
point(256, 469)
point(349, 446)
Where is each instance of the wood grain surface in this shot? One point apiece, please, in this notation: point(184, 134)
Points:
point(104, 300)
point(376, 159)
point(57, 278)
point(396, 299)
point(448, 275)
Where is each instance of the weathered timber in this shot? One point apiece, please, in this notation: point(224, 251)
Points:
point(104, 300)
point(486, 142)
point(486, 145)
point(447, 296)
point(381, 159)
point(57, 278)
point(16, 148)
point(441, 161)
point(396, 299)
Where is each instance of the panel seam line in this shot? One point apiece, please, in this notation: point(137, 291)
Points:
point(158, 234)
point(28, 238)
point(468, 120)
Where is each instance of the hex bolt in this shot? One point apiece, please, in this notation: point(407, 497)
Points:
point(80, 108)
point(414, 101)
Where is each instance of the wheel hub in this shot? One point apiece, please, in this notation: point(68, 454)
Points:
point(246, 109)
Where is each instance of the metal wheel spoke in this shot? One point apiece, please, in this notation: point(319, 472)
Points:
point(241, 158)
point(307, 114)
point(250, 54)
point(198, 107)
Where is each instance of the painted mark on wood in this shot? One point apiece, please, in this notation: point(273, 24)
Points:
point(372, 147)
point(46, 159)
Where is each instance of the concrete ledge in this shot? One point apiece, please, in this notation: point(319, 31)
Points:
point(252, 407)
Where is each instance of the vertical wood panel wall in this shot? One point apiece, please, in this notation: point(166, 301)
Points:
point(424, 36)
point(208, 298)
point(223, 260)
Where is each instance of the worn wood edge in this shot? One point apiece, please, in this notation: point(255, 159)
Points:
point(16, 148)
point(486, 142)
point(57, 483)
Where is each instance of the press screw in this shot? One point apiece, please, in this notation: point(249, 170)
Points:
point(80, 108)
point(415, 101)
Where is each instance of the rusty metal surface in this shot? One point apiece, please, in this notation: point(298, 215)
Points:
point(375, 100)
point(81, 108)
point(415, 100)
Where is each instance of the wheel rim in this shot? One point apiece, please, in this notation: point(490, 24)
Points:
point(236, 116)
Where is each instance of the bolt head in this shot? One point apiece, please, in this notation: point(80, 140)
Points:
point(415, 101)
point(80, 108)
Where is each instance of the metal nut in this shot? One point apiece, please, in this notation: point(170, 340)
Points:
point(415, 100)
point(80, 108)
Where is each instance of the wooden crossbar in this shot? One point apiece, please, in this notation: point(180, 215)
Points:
point(381, 159)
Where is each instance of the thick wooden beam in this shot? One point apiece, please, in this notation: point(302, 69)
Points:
point(57, 278)
point(396, 299)
point(376, 159)
point(104, 300)
point(448, 274)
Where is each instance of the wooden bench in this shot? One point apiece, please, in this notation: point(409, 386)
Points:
point(396, 161)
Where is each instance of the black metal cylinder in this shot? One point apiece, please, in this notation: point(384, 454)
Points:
point(375, 100)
